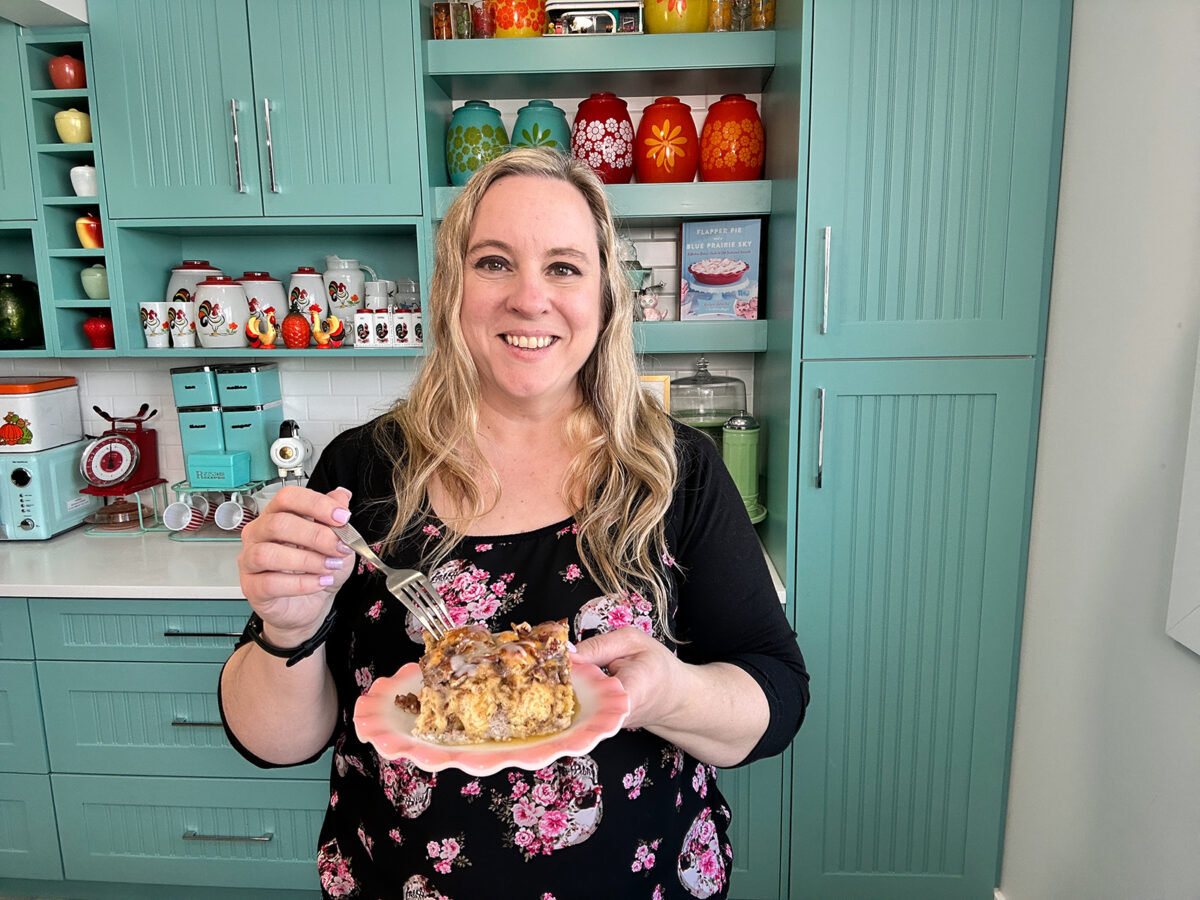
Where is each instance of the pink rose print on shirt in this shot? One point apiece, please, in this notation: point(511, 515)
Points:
point(701, 867)
point(418, 888)
point(643, 857)
point(613, 611)
point(634, 780)
point(367, 842)
point(700, 781)
point(408, 788)
point(570, 529)
point(334, 870)
point(658, 894)
point(363, 565)
point(447, 853)
point(470, 790)
point(473, 595)
point(482, 548)
point(375, 610)
point(363, 678)
point(396, 836)
point(555, 807)
point(571, 573)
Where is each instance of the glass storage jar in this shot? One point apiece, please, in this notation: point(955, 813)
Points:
point(706, 401)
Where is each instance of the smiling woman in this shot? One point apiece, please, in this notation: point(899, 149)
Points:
point(534, 480)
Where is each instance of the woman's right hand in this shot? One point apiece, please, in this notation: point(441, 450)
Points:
point(292, 563)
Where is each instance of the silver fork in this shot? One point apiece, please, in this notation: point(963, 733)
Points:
point(410, 587)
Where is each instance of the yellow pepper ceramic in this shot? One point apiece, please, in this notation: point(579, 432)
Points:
point(675, 16)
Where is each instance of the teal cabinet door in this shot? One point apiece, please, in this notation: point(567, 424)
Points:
point(173, 87)
point(16, 174)
point(933, 176)
point(338, 84)
point(910, 576)
point(755, 795)
point(28, 832)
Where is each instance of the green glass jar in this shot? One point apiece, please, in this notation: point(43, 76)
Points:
point(20, 313)
point(476, 135)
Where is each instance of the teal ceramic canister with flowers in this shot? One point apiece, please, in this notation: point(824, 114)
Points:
point(542, 124)
point(476, 135)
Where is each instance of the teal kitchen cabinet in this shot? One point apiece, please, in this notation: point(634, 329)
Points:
point(758, 831)
point(915, 481)
point(227, 108)
point(933, 176)
point(16, 173)
point(28, 834)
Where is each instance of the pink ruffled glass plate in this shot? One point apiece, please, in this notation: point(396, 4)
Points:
point(602, 707)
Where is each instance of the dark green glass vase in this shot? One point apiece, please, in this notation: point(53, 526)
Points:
point(20, 314)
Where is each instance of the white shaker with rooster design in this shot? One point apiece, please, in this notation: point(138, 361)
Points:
point(345, 284)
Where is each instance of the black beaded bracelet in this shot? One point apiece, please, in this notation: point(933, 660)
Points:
point(293, 655)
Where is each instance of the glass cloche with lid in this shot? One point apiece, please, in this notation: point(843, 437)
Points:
point(706, 401)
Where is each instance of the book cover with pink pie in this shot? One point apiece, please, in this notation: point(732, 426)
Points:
point(718, 269)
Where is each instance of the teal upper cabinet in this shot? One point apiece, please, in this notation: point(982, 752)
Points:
point(257, 107)
point(933, 176)
point(16, 174)
point(914, 479)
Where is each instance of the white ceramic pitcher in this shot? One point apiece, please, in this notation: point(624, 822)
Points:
point(346, 286)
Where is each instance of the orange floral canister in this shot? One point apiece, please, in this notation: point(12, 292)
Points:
point(732, 144)
point(666, 149)
point(519, 18)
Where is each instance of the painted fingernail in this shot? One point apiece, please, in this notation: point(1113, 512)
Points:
point(343, 549)
point(341, 516)
point(334, 562)
point(326, 580)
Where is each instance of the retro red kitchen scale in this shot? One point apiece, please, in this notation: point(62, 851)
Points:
point(121, 463)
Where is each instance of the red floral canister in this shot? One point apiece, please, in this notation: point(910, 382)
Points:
point(519, 18)
point(603, 137)
point(732, 144)
point(666, 149)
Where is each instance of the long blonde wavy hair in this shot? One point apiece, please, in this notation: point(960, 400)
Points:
point(623, 470)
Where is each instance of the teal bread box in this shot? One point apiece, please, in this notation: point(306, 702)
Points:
point(194, 386)
point(253, 429)
point(218, 470)
point(248, 384)
point(200, 430)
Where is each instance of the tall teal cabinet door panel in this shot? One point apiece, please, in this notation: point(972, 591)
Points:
point(16, 174)
point(914, 483)
point(338, 83)
point(755, 798)
point(172, 81)
point(933, 175)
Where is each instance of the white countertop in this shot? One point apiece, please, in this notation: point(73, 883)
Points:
point(151, 565)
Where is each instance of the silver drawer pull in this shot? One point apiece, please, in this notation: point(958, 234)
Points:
point(270, 146)
point(194, 836)
point(232, 634)
point(184, 723)
point(237, 146)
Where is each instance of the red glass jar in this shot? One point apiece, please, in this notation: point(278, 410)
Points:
point(603, 137)
point(666, 149)
point(732, 144)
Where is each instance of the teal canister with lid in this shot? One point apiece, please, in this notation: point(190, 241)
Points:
point(739, 449)
point(476, 135)
point(542, 124)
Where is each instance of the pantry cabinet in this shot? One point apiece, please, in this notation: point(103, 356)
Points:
point(16, 174)
point(914, 485)
point(932, 176)
point(257, 107)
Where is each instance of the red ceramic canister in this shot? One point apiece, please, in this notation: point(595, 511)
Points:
point(666, 149)
point(732, 145)
point(603, 137)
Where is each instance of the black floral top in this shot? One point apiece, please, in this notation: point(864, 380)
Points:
point(634, 818)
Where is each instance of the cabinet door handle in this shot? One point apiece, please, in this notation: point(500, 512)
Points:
point(195, 836)
point(181, 634)
point(270, 147)
point(184, 723)
point(821, 439)
point(237, 146)
point(828, 232)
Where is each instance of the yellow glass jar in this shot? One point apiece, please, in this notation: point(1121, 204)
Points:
point(519, 18)
point(675, 16)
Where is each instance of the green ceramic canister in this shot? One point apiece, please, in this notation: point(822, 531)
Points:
point(739, 449)
point(20, 313)
point(476, 135)
point(542, 124)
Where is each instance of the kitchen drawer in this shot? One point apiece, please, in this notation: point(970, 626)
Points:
point(28, 834)
point(225, 832)
point(16, 638)
point(22, 745)
point(144, 719)
point(166, 630)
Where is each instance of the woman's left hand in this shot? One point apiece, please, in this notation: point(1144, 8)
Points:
point(652, 675)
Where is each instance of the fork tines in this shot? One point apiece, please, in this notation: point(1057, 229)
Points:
point(431, 600)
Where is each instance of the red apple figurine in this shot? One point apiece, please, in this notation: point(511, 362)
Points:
point(67, 73)
point(88, 229)
point(98, 329)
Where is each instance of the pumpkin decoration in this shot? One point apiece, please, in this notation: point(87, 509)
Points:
point(295, 330)
point(15, 430)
